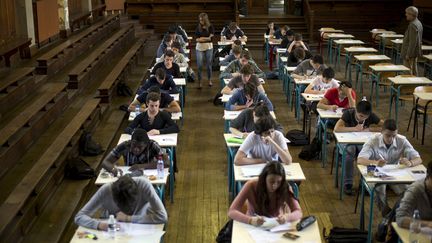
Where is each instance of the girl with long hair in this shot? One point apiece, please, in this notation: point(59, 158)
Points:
point(204, 47)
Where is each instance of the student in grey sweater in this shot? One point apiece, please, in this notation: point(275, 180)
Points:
point(417, 196)
point(130, 200)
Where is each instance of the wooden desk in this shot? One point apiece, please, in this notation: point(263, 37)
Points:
point(350, 51)
point(244, 173)
point(369, 59)
point(344, 42)
point(325, 115)
point(299, 84)
point(403, 234)
point(14, 45)
point(333, 36)
point(168, 141)
point(322, 38)
point(271, 44)
point(397, 83)
point(150, 233)
point(387, 36)
point(369, 184)
point(158, 184)
point(343, 140)
point(309, 98)
point(245, 233)
point(376, 76)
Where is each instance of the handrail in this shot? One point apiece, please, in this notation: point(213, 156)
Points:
point(309, 15)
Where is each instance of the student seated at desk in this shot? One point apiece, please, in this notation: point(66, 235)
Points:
point(388, 147)
point(167, 102)
point(264, 144)
point(139, 153)
point(168, 65)
point(297, 42)
point(234, 55)
point(360, 119)
point(153, 119)
point(238, 82)
point(296, 57)
point(164, 45)
point(244, 98)
point(164, 81)
point(418, 196)
point(322, 83)
point(244, 123)
point(228, 49)
point(270, 196)
point(129, 199)
point(233, 69)
point(287, 39)
point(179, 59)
point(271, 28)
point(309, 68)
point(233, 32)
point(181, 32)
point(172, 31)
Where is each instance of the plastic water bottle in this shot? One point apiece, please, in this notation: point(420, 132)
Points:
point(112, 227)
point(160, 167)
point(364, 98)
point(415, 227)
point(137, 109)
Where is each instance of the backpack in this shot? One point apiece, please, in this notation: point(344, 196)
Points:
point(311, 151)
point(385, 232)
point(123, 89)
point(216, 100)
point(225, 233)
point(78, 169)
point(344, 235)
point(297, 137)
point(88, 147)
point(272, 75)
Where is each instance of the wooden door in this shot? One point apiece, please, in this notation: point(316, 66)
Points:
point(258, 6)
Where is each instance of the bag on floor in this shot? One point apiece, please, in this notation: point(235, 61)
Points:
point(297, 137)
point(225, 233)
point(123, 89)
point(87, 146)
point(311, 151)
point(385, 232)
point(216, 100)
point(344, 235)
point(78, 169)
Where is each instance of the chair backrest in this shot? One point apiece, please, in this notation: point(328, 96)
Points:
point(375, 36)
point(422, 89)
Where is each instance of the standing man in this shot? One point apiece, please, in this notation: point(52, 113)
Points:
point(411, 46)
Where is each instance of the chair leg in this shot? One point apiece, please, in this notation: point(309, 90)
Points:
point(334, 151)
point(424, 126)
point(409, 122)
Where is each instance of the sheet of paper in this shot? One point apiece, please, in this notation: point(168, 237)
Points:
point(283, 227)
point(260, 235)
point(255, 170)
point(269, 223)
point(393, 170)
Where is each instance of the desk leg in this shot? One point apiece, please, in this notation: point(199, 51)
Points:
point(371, 213)
point(338, 56)
point(362, 203)
point(172, 172)
point(342, 178)
point(391, 101)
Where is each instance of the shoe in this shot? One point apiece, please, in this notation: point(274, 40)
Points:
point(210, 84)
point(348, 190)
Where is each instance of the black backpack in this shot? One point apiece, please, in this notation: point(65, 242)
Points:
point(225, 233)
point(88, 147)
point(78, 169)
point(311, 151)
point(123, 89)
point(343, 235)
point(297, 137)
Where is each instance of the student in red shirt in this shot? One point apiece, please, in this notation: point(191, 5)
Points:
point(344, 97)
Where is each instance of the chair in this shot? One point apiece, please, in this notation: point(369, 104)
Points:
point(376, 39)
point(381, 79)
point(324, 37)
point(419, 108)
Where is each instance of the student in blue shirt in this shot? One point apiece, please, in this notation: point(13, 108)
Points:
point(246, 97)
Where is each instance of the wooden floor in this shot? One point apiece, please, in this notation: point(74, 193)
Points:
point(201, 195)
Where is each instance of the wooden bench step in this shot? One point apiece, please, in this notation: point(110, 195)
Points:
point(56, 221)
point(33, 191)
point(20, 132)
point(108, 85)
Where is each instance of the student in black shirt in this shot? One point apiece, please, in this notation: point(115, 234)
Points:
point(167, 102)
point(233, 32)
point(168, 65)
point(162, 80)
point(153, 120)
point(204, 47)
point(360, 119)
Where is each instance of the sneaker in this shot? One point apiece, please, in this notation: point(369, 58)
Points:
point(348, 190)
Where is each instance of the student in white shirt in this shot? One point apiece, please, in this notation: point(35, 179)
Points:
point(322, 83)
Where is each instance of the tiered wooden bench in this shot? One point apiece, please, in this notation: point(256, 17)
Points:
point(25, 203)
point(82, 74)
point(120, 71)
point(20, 132)
point(21, 44)
point(58, 57)
point(14, 87)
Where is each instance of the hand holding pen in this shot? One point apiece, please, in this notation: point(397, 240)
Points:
point(381, 162)
point(282, 218)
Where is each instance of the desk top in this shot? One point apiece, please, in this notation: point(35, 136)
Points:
point(222, 68)
point(175, 115)
point(410, 80)
point(312, 97)
point(228, 42)
point(404, 234)
point(236, 145)
point(274, 42)
point(225, 98)
point(390, 35)
point(245, 233)
point(426, 48)
point(382, 32)
point(337, 35)
point(226, 80)
point(399, 174)
point(348, 42)
point(284, 59)
point(372, 57)
point(360, 49)
point(110, 178)
point(245, 173)
point(329, 114)
point(281, 50)
point(303, 81)
point(397, 41)
point(289, 69)
point(389, 68)
point(180, 81)
point(231, 115)
point(164, 140)
point(353, 137)
point(330, 30)
point(424, 96)
point(129, 232)
point(429, 57)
